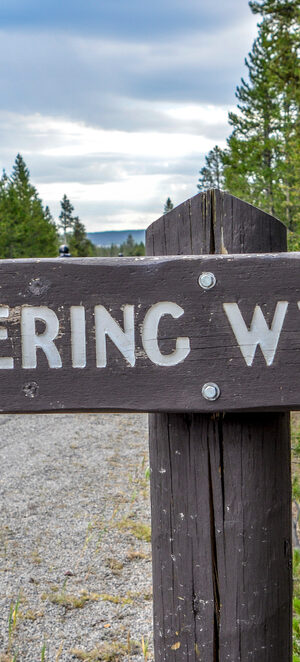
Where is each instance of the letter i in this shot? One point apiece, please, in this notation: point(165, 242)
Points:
point(78, 336)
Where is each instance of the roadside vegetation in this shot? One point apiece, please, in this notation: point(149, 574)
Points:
point(261, 162)
point(27, 228)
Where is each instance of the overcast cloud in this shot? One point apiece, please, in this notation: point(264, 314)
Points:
point(116, 104)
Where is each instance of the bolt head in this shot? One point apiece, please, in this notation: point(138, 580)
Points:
point(207, 280)
point(211, 391)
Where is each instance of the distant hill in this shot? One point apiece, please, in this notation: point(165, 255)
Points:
point(116, 237)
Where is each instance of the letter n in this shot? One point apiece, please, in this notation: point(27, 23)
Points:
point(107, 326)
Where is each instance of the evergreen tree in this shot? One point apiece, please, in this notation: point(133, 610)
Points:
point(107, 251)
point(254, 143)
point(211, 175)
point(79, 244)
point(140, 249)
point(130, 247)
point(281, 19)
point(127, 247)
point(6, 220)
point(262, 159)
point(26, 230)
point(168, 205)
point(48, 215)
point(66, 219)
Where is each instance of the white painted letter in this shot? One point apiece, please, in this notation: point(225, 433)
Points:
point(31, 340)
point(78, 336)
point(150, 332)
point(107, 326)
point(6, 362)
point(259, 333)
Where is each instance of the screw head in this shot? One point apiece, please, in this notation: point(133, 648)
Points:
point(207, 280)
point(211, 391)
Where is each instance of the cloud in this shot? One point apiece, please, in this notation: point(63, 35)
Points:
point(116, 103)
point(114, 175)
point(85, 77)
point(122, 19)
point(182, 129)
point(132, 203)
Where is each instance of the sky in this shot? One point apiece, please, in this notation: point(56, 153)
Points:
point(115, 103)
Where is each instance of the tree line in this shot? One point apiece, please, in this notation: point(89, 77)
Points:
point(27, 228)
point(126, 249)
point(261, 162)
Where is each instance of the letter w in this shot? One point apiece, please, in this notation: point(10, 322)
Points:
point(259, 333)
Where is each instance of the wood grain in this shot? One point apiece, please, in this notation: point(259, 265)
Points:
point(220, 488)
point(215, 355)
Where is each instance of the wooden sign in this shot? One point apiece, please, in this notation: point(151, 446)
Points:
point(150, 334)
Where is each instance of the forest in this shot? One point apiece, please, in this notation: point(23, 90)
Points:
point(27, 228)
point(261, 162)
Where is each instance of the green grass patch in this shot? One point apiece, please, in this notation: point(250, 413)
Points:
point(139, 530)
point(106, 652)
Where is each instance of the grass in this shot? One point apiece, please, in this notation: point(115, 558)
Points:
point(296, 607)
point(135, 554)
point(13, 617)
point(106, 652)
point(295, 435)
point(31, 615)
point(115, 566)
point(71, 601)
point(59, 652)
point(139, 530)
point(117, 599)
point(35, 557)
point(145, 648)
point(139, 481)
point(43, 652)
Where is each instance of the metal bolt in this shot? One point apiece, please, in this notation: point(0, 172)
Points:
point(211, 391)
point(207, 280)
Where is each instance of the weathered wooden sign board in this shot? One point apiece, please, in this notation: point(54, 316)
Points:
point(183, 337)
point(150, 334)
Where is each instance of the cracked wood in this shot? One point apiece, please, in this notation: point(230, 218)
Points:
point(220, 488)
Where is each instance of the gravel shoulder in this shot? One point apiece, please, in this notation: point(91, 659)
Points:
point(75, 558)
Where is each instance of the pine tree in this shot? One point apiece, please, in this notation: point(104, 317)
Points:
point(6, 219)
point(66, 219)
point(254, 143)
point(282, 21)
point(48, 215)
point(262, 159)
point(25, 227)
point(168, 205)
point(127, 247)
point(79, 244)
point(130, 247)
point(211, 175)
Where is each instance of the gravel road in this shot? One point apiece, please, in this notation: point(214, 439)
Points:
point(75, 559)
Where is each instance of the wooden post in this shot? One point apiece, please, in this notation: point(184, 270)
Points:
point(220, 487)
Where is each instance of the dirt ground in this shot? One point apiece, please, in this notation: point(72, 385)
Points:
point(75, 559)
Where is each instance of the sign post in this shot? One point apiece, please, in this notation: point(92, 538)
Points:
point(211, 344)
point(220, 484)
